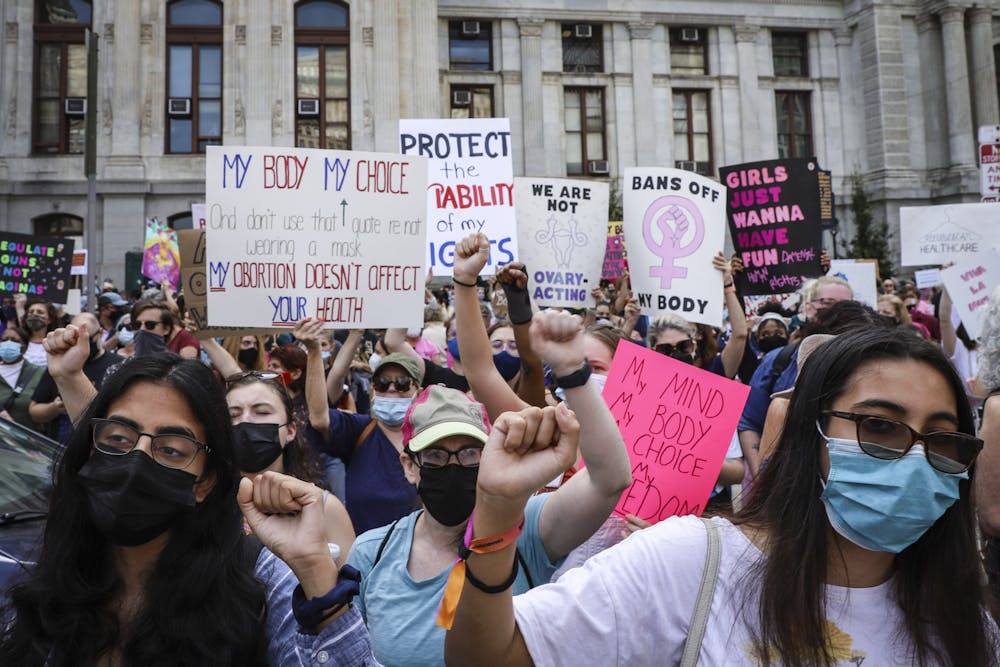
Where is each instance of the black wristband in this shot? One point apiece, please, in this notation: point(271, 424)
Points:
point(577, 378)
point(459, 282)
point(518, 303)
point(310, 613)
point(486, 588)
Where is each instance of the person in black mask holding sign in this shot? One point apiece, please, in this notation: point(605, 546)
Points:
point(47, 406)
point(267, 439)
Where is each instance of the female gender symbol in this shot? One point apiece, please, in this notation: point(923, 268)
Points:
point(673, 216)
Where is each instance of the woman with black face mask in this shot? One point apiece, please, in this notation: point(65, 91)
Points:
point(267, 439)
point(248, 351)
point(144, 559)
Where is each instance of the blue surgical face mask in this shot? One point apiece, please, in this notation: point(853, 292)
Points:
point(883, 505)
point(453, 348)
point(597, 380)
point(326, 354)
point(507, 364)
point(10, 351)
point(390, 410)
point(125, 337)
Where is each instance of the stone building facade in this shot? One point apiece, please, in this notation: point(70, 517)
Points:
point(890, 89)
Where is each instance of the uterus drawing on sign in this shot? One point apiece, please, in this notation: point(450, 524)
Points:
point(563, 238)
point(672, 229)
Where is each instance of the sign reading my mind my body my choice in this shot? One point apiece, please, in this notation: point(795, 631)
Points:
point(295, 233)
point(677, 421)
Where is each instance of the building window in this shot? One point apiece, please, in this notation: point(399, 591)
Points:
point(692, 131)
point(180, 220)
point(322, 75)
point(688, 51)
point(60, 83)
point(472, 101)
point(584, 120)
point(789, 53)
point(794, 124)
point(470, 45)
point(57, 224)
point(582, 48)
point(194, 75)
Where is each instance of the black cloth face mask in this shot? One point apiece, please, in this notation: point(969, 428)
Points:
point(148, 343)
point(448, 493)
point(257, 445)
point(132, 499)
point(768, 343)
point(248, 357)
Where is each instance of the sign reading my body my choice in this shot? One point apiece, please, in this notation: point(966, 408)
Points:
point(470, 186)
point(296, 232)
point(674, 224)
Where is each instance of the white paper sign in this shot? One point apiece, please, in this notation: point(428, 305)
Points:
point(675, 222)
point(969, 284)
point(295, 232)
point(197, 216)
point(927, 278)
point(562, 231)
point(950, 233)
point(860, 275)
point(470, 185)
point(79, 263)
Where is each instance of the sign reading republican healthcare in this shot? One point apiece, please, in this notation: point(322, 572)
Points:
point(674, 224)
point(297, 232)
point(561, 226)
point(775, 216)
point(969, 284)
point(948, 233)
point(35, 265)
point(677, 422)
point(470, 185)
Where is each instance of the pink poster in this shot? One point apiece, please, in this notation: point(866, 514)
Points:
point(677, 422)
point(161, 258)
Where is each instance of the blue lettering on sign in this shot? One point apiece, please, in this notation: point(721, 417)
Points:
point(285, 310)
point(217, 274)
point(444, 254)
point(238, 166)
point(339, 170)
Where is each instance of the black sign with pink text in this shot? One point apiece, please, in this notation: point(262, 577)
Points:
point(775, 219)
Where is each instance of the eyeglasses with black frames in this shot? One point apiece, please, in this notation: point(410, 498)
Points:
point(170, 450)
point(436, 457)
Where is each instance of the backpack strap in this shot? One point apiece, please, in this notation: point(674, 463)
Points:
point(699, 620)
point(23, 379)
point(385, 540)
point(780, 364)
point(364, 436)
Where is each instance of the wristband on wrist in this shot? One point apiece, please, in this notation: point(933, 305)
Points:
point(310, 613)
point(460, 572)
point(518, 303)
point(459, 282)
point(577, 378)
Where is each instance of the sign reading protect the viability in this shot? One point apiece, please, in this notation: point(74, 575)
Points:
point(35, 266)
point(775, 222)
point(674, 224)
point(470, 186)
point(296, 232)
point(677, 421)
point(948, 233)
point(561, 224)
point(969, 284)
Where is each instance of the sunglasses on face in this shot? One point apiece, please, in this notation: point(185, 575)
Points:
point(149, 325)
point(282, 378)
point(382, 383)
point(684, 347)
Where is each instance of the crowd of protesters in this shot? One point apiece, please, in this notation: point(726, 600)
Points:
point(447, 492)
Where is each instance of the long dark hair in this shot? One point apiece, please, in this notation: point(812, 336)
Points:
point(937, 579)
point(202, 604)
point(297, 459)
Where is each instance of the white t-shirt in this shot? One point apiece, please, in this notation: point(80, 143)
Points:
point(10, 372)
point(36, 354)
point(632, 605)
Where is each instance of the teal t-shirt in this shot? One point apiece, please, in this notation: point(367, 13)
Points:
point(401, 612)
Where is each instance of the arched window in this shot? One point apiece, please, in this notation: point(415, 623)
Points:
point(194, 75)
point(57, 224)
point(180, 220)
point(322, 75)
point(60, 75)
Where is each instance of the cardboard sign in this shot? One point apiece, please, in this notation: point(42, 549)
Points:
point(775, 222)
point(861, 274)
point(470, 186)
point(969, 284)
point(927, 278)
point(161, 259)
point(35, 266)
point(949, 233)
point(296, 232)
point(561, 223)
point(194, 282)
point(79, 267)
point(615, 255)
point(677, 422)
point(674, 226)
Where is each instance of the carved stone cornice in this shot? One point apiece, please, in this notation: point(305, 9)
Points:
point(530, 27)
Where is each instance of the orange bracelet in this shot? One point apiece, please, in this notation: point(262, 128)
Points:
point(456, 580)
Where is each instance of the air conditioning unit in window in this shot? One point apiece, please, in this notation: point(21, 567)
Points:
point(179, 106)
point(686, 165)
point(597, 167)
point(470, 27)
point(690, 35)
point(76, 106)
point(461, 98)
point(308, 107)
point(583, 31)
